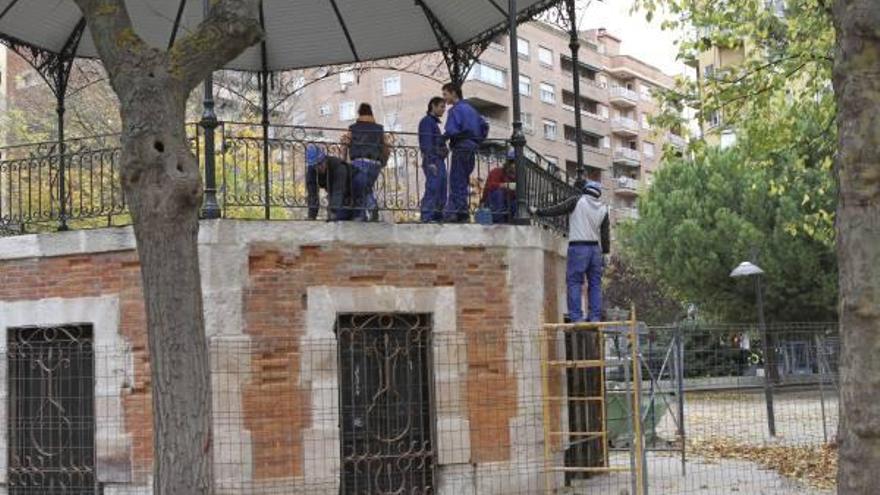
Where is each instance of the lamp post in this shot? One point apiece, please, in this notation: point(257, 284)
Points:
point(748, 269)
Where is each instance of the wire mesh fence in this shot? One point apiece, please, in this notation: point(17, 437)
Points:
point(391, 404)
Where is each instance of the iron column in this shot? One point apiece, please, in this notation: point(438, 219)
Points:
point(62, 185)
point(574, 44)
point(517, 139)
point(210, 208)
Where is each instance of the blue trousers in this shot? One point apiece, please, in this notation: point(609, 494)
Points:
point(584, 261)
point(365, 175)
point(502, 206)
point(460, 170)
point(435, 191)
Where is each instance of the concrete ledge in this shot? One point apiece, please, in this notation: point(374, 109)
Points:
point(294, 233)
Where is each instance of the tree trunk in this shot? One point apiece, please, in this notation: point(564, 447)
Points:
point(857, 85)
point(163, 187)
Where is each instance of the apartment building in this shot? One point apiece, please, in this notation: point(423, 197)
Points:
point(616, 103)
point(715, 63)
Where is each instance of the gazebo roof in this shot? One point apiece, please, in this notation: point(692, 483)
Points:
point(299, 33)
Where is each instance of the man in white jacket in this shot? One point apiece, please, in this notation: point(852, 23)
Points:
point(588, 240)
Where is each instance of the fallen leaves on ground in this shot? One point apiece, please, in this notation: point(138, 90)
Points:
point(815, 466)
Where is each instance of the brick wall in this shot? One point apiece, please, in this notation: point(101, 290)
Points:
point(88, 276)
point(274, 282)
point(276, 302)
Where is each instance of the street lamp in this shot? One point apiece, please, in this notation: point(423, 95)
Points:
point(748, 269)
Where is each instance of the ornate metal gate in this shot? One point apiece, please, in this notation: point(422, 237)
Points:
point(385, 404)
point(51, 411)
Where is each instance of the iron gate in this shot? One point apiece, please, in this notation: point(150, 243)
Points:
point(385, 404)
point(51, 411)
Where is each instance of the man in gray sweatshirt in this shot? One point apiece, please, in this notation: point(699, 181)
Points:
point(588, 240)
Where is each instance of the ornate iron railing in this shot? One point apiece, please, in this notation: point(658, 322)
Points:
point(255, 179)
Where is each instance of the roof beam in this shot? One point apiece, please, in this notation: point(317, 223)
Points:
point(498, 8)
point(177, 18)
point(8, 8)
point(345, 30)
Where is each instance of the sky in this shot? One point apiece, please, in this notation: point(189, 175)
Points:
point(640, 38)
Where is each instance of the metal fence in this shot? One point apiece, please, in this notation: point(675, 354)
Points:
point(257, 178)
point(386, 406)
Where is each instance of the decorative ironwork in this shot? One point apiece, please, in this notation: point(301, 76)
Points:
point(94, 195)
point(385, 404)
point(459, 58)
point(53, 67)
point(51, 424)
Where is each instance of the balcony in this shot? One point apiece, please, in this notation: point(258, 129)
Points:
point(676, 141)
point(626, 156)
point(622, 97)
point(626, 186)
point(625, 127)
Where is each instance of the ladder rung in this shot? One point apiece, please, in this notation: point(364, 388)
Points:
point(580, 433)
point(577, 399)
point(573, 469)
point(583, 363)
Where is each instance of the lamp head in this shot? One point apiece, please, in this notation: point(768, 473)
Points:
point(746, 269)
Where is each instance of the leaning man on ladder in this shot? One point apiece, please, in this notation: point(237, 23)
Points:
point(588, 240)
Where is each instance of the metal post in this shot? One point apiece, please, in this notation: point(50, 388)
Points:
point(210, 208)
point(574, 44)
point(769, 362)
point(267, 186)
point(517, 139)
point(62, 186)
point(818, 343)
point(678, 363)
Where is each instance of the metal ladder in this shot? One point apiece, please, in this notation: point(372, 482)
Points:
point(553, 432)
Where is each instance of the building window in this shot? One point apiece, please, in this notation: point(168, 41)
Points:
point(525, 85)
point(392, 122)
point(646, 121)
point(391, 85)
point(603, 111)
point(497, 44)
point(647, 91)
point(648, 148)
point(548, 93)
point(545, 56)
point(488, 74)
point(528, 123)
point(602, 80)
point(714, 119)
point(523, 47)
point(346, 78)
point(346, 111)
point(325, 110)
point(550, 129)
point(709, 72)
point(50, 373)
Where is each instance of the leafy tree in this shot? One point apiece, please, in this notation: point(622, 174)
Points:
point(701, 218)
point(625, 286)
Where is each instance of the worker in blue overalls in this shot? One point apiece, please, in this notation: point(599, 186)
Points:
point(465, 130)
point(434, 152)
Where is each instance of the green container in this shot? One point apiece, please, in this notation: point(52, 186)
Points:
point(618, 410)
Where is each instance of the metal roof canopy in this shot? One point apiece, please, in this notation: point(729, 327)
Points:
point(299, 33)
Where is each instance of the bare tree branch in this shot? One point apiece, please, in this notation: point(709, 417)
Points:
point(230, 28)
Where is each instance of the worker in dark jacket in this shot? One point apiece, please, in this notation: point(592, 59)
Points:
point(434, 152)
point(334, 176)
point(588, 240)
point(499, 195)
point(369, 147)
point(465, 130)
